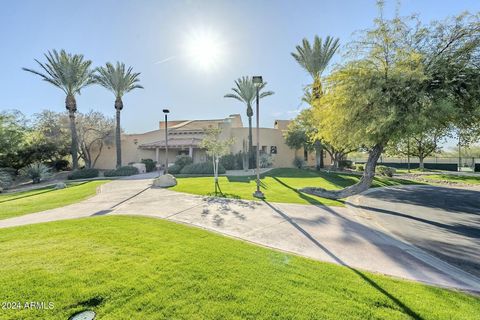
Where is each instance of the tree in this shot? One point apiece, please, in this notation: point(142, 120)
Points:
point(119, 81)
point(398, 75)
point(421, 145)
point(316, 59)
point(13, 129)
point(70, 73)
point(246, 92)
point(216, 148)
point(95, 130)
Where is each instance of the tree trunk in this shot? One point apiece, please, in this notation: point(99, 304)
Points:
point(362, 185)
point(318, 155)
point(71, 106)
point(118, 140)
point(421, 165)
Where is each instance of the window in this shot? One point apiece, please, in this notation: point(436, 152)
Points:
point(305, 155)
point(273, 150)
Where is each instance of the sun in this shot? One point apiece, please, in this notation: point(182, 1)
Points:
point(205, 49)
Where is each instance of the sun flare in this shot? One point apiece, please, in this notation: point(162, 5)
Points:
point(205, 49)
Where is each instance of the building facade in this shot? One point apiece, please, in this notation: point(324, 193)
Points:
point(184, 137)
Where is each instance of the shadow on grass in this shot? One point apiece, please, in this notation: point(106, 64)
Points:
point(304, 196)
point(47, 189)
point(243, 179)
point(371, 282)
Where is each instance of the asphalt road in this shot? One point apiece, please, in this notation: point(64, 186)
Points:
point(442, 221)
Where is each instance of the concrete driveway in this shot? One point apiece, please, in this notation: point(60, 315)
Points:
point(332, 234)
point(444, 222)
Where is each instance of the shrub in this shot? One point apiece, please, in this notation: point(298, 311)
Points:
point(241, 161)
point(11, 171)
point(385, 171)
point(298, 162)
point(149, 164)
point(6, 180)
point(36, 171)
point(201, 168)
point(59, 165)
point(83, 174)
point(229, 162)
point(182, 161)
point(360, 167)
point(266, 160)
point(345, 164)
point(175, 169)
point(121, 172)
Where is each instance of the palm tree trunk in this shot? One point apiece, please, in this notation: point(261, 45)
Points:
point(118, 140)
point(71, 106)
point(362, 185)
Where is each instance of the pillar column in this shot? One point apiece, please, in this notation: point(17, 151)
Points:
point(156, 154)
point(190, 152)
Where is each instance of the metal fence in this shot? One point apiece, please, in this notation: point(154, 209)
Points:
point(439, 163)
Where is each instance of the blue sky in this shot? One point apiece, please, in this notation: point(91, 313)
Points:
point(256, 36)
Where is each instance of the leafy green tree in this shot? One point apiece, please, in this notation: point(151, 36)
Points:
point(216, 147)
point(246, 92)
point(421, 145)
point(399, 74)
point(315, 59)
point(13, 130)
point(70, 73)
point(119, 81)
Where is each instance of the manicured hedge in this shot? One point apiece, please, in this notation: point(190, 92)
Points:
point(201, 168)
point(175, 169)
point(149, 164)
point(477, 167)
point(121, 172)
point(83, 174)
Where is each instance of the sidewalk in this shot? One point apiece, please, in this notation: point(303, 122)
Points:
point(332, 234)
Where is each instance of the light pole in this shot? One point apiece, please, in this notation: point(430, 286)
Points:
point(257, 81)
point(166, 112)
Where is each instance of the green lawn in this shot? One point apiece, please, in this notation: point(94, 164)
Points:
point(280, 185)
point(20, 203)
point(454, 178)
point(143, 268)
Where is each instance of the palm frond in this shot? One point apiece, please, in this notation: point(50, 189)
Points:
point(70, 73)
point(117, 79)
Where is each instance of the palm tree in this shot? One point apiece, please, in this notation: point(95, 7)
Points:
point(118, 80)
point(315, 59)
point(70, 73)
point(246, 92)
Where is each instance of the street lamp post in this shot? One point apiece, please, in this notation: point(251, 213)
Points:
point(166, 112)
point(257, 81)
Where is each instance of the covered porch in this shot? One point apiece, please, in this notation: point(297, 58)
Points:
point(176, 147)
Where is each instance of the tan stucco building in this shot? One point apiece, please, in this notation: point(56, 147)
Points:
point(184, 137)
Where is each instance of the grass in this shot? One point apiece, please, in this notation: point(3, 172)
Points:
point(20, 203)
point(143, 268)
point(280, 185)
point(454, 178)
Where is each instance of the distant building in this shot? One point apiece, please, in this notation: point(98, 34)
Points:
point(184, 137)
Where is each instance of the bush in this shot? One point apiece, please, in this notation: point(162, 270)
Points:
point(59, 165)
point(183, 160)
point(11, 171)
point(385, 171)
point(345, 164)
point(6, 180)
point(266, 160)
point(201, 168)
point(360, 167)
point(298, 162)
point(121, 172)
point(83, 174)
point(175, 169)
point(229, 162)
point(36, 171)
point(149, 164)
